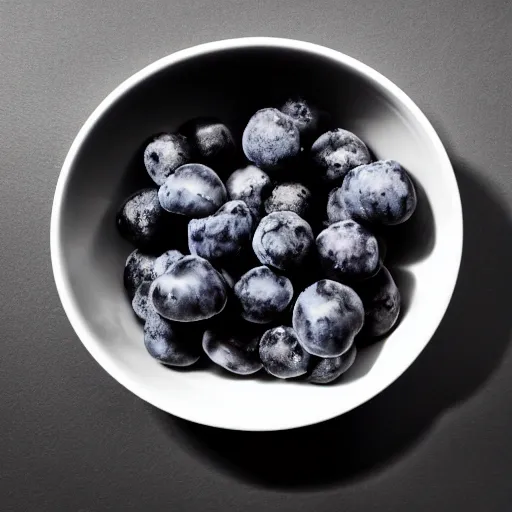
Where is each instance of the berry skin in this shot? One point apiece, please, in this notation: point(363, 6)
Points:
point(140, 301)
point(326, 370)
point(348, 251)
point(171, 343)
point(336, 152)
point(222, 235)
point(189, 291)
point(381, 301)
point(327, 317)
point(336, 210)
point(194, 190)
point(271, 139)
point(305, 117)
point(292, 197)
point(142, 221)
point(236, 351)
point(281, 353)
point(139, 267)
point(379, 193)
point(283, 240)
point(166, 260)
point(212, 142)
point(164, 154)
point(263, 295)
point(252, 186)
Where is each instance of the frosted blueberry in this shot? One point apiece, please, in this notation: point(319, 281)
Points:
point(263, 295)
point(292, 197)
point(193, 190)
point(223, 234)
point(139, 267)
point(381, 301)
point(281, 353)
point(327, 317)
point(336, 210)
point(166, 260)
point(212, 142)
point(305, 117)
point(283, 240)
point(348, 251)
point(142, 221)
point(271, 139)
point(234, 350)
point(251, 185)
point(325, 370)
point(164, 154)
point(380, 193)
point(140, 302)
point(172, 343)
point(189, 291)
point(336, 152)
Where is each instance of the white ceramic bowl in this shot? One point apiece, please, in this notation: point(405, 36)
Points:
point(231, 79)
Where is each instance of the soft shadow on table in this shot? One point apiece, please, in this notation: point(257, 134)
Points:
point(463, 354)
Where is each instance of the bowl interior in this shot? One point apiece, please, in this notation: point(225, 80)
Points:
point(231, 83)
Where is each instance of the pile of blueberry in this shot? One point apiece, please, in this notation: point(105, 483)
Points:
point(276, 264)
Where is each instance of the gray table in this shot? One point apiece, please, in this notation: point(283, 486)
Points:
point(72, 439)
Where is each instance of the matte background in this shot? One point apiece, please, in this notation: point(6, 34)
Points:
point(72, 439)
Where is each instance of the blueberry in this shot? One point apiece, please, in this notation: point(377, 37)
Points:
point(164, 154)
point(283, 240)
point(263, 295)
point(212, 142)
point(139, 267)
point(325, 370)
point(348, 251)
point(172, 343)
point(379, 193)
point(381, 301)
point(292, 197)
point(142, 221)
point(222, 235)
point(281, 353)
point(336, 210)
point(234, 350)
point(140, 301)
point(336, 152)
point(190, 290)
point(305, 117)
point(271, 139)
point(193, 190)
point(251, 185)
point(327, 317)
point(166, 260)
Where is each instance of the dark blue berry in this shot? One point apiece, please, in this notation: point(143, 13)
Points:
point(251, 185)
point(379, 193)
point(222, 235)
point(327, 317)
point(283, 240)
point(164, 154)
point(189, 291)
point(194, 190)
point(348, 251)
point(139, 267)
point(292, 197)
point(263, 295)
point(142, 221)
point(336, 152)
point(281, 353)
point(271, 139)
point(326, 370)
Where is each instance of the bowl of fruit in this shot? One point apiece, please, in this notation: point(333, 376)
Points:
point(256, 234)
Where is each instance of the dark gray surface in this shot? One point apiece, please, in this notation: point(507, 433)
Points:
point(72, 439)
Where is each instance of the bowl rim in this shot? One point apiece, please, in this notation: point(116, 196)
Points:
point(79, 324)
